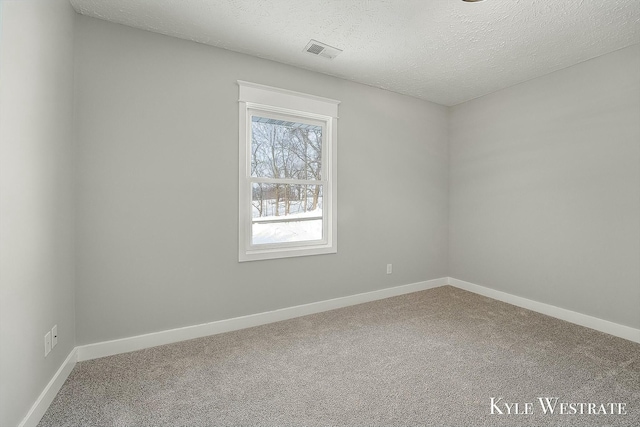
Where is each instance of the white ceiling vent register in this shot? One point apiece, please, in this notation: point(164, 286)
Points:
point(315, 47)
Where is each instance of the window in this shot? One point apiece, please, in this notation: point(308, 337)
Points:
point(287, 185)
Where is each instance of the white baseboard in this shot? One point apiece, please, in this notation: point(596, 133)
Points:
point(125, 345)
point(41, 405)
point(601, 325)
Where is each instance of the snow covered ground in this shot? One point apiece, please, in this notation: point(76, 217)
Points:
point(272, 229)
point(292, 231)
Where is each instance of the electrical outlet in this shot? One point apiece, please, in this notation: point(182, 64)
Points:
point(47, 344)
point(54, 336)
point(389, 268)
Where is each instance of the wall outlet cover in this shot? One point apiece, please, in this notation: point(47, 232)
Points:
point(47, 344)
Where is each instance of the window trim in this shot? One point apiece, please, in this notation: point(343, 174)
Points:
point(261, 98)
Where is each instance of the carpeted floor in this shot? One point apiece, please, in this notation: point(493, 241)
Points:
point(435, 357)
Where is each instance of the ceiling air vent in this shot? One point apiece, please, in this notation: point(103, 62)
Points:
point(315, 47)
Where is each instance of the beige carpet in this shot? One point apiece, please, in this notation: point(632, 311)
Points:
point(435, 357)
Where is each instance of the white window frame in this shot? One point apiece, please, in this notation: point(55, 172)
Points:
point(274, 102)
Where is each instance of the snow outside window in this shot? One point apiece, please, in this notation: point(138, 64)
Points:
point(287, 173)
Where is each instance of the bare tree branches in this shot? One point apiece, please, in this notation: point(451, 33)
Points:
point(285, 151)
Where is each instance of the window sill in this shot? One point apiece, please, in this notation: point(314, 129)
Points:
point(263, 254)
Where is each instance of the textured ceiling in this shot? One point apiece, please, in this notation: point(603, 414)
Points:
point(445, 51)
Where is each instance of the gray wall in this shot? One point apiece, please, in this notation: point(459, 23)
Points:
point(36, 198)
point(545, 189)
point(157, 203)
